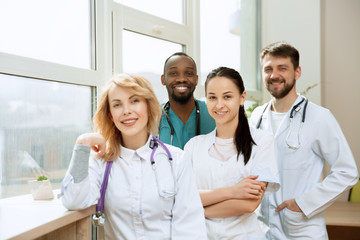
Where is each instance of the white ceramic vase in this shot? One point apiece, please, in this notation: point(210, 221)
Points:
point(41, 190)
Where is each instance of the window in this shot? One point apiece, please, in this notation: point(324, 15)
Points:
point(38, 127)
point(230, 37)
point(48, 62)
point(142, 41)
point(147, 62)
point(55, 31)
point(57, 53)
point(170, 10)
point(219, 47)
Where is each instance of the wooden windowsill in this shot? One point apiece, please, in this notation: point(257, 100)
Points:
point(24, 218)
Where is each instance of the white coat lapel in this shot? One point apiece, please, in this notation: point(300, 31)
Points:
point(266, 118)
point(285, 123)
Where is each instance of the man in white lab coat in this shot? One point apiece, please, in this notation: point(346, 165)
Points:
point(306, 135)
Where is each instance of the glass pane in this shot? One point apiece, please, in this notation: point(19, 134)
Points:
point(146, 56)
point(218, 46)
point(170, 10)
point(56, 31)
point(230, 40)
point(39, 124)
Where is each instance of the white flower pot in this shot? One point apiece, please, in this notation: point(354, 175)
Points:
point(41, 190)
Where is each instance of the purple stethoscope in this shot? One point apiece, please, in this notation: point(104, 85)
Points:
point(98, 217)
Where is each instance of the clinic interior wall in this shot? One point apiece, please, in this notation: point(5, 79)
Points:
point(327, 35)
point(298, 23)
point(340, 46)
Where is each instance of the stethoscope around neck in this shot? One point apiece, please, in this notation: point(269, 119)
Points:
point(166, 109)
point(296, 108)
point(98, 217)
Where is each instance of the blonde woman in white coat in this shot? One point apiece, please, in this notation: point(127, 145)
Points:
point(146, 196)
point(234, 165)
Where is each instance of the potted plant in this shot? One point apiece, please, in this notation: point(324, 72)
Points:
point(41, 188)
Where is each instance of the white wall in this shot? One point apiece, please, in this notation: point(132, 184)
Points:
point(298, 23)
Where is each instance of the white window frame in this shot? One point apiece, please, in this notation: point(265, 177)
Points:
point(127, 18)
point(101, 58)
point(39, 69)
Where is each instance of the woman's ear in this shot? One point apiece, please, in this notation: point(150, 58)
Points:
point(242, 98)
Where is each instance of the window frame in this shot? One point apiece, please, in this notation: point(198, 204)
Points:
point(130, 19)
point(95, 77)
point(39, 69)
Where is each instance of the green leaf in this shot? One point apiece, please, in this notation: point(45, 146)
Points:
point(41, 178)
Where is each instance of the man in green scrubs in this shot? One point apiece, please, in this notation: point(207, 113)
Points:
point(183, 116)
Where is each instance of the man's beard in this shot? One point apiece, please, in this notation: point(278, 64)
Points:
point(282, 93)
point(182, 98)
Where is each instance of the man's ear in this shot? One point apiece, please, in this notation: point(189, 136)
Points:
point(297, 73)
point(163, 80)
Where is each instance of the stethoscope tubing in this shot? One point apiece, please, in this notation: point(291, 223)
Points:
point(166, 110)
point(295, 109)
point(165, 194)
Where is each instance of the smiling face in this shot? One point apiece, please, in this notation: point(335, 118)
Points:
point(224, 100)
point(279, 75)
point(129, 113)
point(180, 78)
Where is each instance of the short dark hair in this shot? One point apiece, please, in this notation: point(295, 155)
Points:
point(178, 54)
point(281, 49)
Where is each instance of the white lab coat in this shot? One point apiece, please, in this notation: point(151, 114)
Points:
point(211, 173)
point(133, 207)
point(301, 170)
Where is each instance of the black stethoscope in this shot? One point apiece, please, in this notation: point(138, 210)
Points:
point(197, 129)
point(296, 108)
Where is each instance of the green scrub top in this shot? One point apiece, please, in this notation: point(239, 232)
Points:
point(184, 132)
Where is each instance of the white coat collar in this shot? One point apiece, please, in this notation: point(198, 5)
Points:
point(143, 152)
point(211, 138)
point(286, 122)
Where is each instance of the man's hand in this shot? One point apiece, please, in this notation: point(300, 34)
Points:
point(248, 188)
point(289, 204)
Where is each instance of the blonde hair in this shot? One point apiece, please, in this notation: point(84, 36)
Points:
point(102, 122)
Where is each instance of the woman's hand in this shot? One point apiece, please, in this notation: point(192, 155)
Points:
point(248, 188)
point(95, 141)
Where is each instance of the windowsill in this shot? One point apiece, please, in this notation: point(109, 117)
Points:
point(24, 218)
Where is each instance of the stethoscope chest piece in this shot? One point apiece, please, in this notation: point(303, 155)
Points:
point(98, 219)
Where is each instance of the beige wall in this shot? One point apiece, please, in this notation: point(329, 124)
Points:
point(340, 81)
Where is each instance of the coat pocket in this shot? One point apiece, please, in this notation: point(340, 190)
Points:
point(298, 226)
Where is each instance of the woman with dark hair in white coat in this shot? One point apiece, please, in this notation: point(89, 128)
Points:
point(234, 165)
